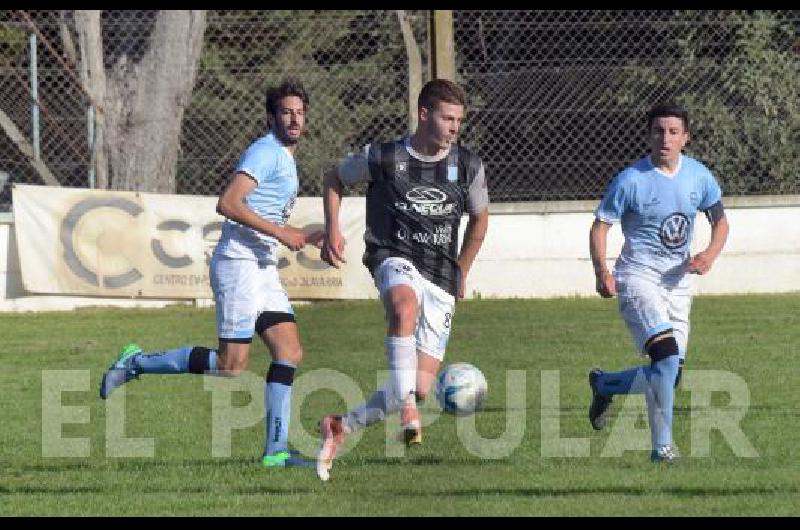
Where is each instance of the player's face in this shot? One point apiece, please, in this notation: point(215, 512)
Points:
point(667, 138)
point(289, 119)
point(440, 126)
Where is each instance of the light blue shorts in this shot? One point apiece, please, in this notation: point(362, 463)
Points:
point(649, 309)
point(243, 289)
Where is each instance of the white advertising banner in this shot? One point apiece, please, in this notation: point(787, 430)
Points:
point(115, 243)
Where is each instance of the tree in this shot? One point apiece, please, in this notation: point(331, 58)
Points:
point(354, 65)
point(741, 90)
point(140, 84)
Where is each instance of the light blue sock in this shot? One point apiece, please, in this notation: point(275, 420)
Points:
point(631, 381)
point(175, 361)
point(662, 383)
point(278, 405)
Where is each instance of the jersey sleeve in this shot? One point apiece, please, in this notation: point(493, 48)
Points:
point(478, 193)
point(259, 162)
point(612, 205)
point(712, 192)
point(354, 168)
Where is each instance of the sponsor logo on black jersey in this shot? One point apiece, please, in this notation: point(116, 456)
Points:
point(427, 201)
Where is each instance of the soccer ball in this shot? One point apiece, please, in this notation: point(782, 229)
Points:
point(461, 389)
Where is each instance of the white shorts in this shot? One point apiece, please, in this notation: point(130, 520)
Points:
point(649, 309)
point(435, 305)
point(243, 289)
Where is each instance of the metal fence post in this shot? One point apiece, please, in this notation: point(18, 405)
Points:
point(35, 97)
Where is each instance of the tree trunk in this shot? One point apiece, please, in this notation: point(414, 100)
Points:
point(93, 76)
point(144, 100)
point(414, 68)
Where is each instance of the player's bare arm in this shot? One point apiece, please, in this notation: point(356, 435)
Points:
point(474, 235)
point(333, 242)
point(231, 204)
point(598, 235)
point(701, 263)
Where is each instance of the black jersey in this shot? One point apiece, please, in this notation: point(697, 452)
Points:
point(414, 209)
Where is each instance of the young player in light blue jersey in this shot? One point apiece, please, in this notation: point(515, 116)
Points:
point(655, 200)
point(248, 293)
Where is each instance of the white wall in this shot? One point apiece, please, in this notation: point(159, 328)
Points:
point(546, 253)
point(542, 250)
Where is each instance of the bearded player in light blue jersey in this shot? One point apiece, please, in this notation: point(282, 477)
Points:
point(655, 200)
point(248, 293)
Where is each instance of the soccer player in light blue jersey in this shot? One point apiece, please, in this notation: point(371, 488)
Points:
point(655, 200)
point(248, 293)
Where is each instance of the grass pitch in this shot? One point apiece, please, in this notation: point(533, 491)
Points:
point(545, 460)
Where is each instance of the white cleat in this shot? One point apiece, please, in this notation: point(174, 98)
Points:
point(411, 425)
point(333, 434)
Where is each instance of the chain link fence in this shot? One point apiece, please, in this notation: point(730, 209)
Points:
point(560, 97)
point(557, 99)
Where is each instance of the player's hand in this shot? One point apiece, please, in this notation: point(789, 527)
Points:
point(606, 285)
point(293, 238)
point(700, 263)
point(332, 251)
point(316, 238)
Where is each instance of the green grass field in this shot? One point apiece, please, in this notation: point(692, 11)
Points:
point(754, 337)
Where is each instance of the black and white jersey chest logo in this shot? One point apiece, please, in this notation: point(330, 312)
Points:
point(427, 201)
point(674, 230)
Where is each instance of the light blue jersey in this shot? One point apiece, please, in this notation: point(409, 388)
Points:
point(269, 163)
point(657, 212)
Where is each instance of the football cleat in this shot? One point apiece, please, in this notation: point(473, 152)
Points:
point(598, 410)
point(665, 453)
point(122, 371)
point(412, 427)
point(333, 434)
point(285, 459)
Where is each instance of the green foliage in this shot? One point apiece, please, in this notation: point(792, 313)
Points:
point(13, 43)
point(352, 63)
point(741, 90)
point(753, 336)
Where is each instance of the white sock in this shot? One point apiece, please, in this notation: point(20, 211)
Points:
point(375, 409)
point(402, 355)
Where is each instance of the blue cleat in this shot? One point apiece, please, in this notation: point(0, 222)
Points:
point(598, 410)
point(122, 371)
point(666, 454)
point(286, 459)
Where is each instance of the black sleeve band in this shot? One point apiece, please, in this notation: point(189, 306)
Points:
point(198, 360)
point(715, 212)
point(268, 319)
point(280, 373)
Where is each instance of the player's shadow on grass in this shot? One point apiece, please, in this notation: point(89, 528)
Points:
point(428, 460)
point(61, 490)
point(680, 491)
point(504, 409)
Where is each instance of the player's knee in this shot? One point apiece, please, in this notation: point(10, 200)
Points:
point(662, 347)
point(421, 394)
point(294, 355)
point(232, 365)
point(404, 316)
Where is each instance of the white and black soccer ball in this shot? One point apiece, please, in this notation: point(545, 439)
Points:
point(461, 389)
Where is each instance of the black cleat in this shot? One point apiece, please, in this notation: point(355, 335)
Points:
point(598, 410)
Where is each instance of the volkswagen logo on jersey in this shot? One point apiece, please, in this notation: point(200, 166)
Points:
point(675, 230)
point(426, 195)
